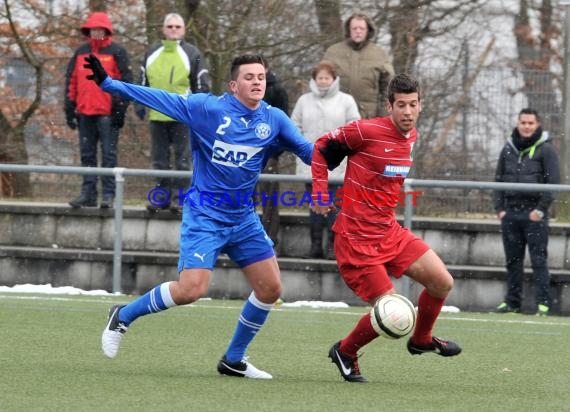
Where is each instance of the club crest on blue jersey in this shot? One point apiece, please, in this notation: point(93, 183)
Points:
point(232, 155)
point(394, 170)
point(262, 130)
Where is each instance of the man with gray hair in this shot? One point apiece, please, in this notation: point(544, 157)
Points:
point(365, 69)
point(178, 67)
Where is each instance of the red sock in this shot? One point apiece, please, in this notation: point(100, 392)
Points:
point(428, 311)
point(362, 334)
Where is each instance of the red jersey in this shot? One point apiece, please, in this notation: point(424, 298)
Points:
point(380, 161)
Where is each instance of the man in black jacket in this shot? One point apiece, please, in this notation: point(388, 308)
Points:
point(527, 157)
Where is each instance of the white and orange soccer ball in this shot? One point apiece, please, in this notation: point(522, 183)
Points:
point(393, 316)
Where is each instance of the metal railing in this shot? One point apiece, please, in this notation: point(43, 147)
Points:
point(120, 173)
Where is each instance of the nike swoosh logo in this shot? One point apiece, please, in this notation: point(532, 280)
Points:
point(388, 150)
point(233, 369)
point(345, 370)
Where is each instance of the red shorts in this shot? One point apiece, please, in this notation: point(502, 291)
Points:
point(366, 267)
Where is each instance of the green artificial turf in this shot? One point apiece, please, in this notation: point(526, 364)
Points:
point(50, 360)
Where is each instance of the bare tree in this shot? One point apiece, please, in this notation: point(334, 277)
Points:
point(330, 21)
point(97, 5)
point(289, 39)
point(35, 45)
point(536, 53)
point(13, 118)
point(441, 42)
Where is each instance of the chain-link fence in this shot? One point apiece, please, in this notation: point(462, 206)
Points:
point(463, 125)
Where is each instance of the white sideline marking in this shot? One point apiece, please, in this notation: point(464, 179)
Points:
point(106, 301)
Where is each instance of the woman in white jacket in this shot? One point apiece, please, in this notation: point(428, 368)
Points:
point(321, 110)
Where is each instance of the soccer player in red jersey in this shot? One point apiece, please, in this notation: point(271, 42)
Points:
point(370, 245)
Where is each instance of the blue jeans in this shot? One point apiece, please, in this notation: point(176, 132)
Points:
point(93, 130)
point(165, 135)
point(518, 232)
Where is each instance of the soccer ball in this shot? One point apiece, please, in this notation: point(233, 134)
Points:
point(393, 316)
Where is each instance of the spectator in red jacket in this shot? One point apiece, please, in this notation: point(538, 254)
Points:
point(98, 115)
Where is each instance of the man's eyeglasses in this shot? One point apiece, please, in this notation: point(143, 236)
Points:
point(171, 26)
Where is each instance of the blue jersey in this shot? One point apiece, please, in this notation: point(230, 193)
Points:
point(230, 145)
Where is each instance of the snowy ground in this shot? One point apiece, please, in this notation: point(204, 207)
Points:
point(68, 290)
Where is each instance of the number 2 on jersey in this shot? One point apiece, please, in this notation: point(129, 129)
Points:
point(220, 129)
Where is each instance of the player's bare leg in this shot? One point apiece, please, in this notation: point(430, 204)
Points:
point(191, 285)
point(430, 271)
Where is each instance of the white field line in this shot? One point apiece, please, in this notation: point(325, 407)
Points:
point(496, 318)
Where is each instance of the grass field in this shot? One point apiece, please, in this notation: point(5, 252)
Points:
point(50, 360)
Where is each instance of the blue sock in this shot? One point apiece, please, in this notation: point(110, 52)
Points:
point(252, 318)
point(155, 300)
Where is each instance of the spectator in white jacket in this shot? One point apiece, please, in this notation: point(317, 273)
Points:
point(317, 112)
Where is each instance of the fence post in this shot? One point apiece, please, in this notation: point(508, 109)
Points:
point(408, 208)
point(408, 214)
point(118, 228)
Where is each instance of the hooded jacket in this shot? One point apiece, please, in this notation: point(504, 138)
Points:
point(321, 111)
point(83, 96)
point(532, 160)
point(365, 70)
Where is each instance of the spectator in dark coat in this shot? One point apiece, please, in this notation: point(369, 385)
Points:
point(527, 157)
point(276, 96)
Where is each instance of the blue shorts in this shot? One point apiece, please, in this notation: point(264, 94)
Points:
point(202, 240)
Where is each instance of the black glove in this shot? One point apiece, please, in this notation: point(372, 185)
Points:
point(118, 119)
point(70, 115)
point(99, 73)
point(334, 152)
point(118, 110)
point(72, 123)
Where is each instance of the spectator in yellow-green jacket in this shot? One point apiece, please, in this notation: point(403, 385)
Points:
point(178, 67)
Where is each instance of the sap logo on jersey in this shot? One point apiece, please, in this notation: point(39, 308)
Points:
point(232, 155)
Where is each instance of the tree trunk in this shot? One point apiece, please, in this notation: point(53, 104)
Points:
point(13, 150)
point(190, 7)
point(535, 54)
point(405, 31)
point(330, 22)
point(155, 12)
point(97, 5)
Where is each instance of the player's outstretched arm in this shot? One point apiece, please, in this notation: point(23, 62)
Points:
point(170, 104)
point(293, 140)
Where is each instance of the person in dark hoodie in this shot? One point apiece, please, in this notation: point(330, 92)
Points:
point(365, 69)
point(98, 115)
point(276, 96)
point(527, 157)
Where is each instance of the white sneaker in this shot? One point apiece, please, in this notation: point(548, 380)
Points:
point(113, 333)
point(242, 369)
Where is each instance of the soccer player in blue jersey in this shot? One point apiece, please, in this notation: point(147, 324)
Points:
point(232, 136)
